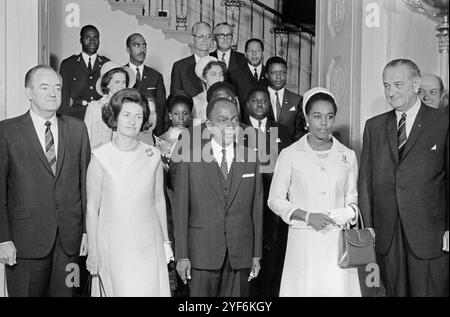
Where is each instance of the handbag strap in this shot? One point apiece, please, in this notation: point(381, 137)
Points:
point(359, 218)
point(101, 286)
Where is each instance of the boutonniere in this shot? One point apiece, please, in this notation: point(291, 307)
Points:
point(344, 159)
point(278, 140)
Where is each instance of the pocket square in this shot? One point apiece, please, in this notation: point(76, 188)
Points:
point(434, 148)
point(151, 88)
point(293, 109)
point(248, 175)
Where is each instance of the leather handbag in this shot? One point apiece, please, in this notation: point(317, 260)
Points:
point(87, 289)
point(356, 246)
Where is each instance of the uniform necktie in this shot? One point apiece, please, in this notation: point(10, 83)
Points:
point(90, 65)
point(278, 105)
point(402, 138)
point(224, 165)
point(255, 74)
point(50, 147)
point(138, 77)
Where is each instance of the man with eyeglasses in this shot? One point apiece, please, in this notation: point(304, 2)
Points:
point(183, 71)
point(223, 35)
point(432, 92)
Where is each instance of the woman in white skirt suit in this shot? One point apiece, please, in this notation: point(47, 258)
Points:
point(314, 190)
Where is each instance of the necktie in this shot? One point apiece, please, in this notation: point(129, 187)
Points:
point(138, 77)
point(260, 124)
point(50, 147)
point(278, 105)
point(255, 74)
point(223, 59)
point(402, 138)
point(90, 65)
point(224, 165)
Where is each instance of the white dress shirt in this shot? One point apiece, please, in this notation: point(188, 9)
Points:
point(258, 70)
point(411, 115)
point(255, 123)
point(86, 59)
point(39, 126)
point(135, 68)
point(217, 152)
point(273, 100)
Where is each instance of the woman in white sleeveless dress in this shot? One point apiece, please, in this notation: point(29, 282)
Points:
point(126, 222)
point(314, 190)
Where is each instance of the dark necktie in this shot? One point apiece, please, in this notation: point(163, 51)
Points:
point(402, 138)
point(223, 59)
point(255, 74)
point(50, 152)
point(223, 164)
point(89, 65)
point(278, 105)
point(138, 77)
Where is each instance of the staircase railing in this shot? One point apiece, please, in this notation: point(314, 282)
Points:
point(283, 36)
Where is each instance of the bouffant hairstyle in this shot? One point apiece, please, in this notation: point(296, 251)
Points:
point(214, 63)
point(111, 111)
point(109, 75)
point(178, 97)
point(320, 97)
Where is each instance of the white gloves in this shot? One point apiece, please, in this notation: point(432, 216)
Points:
point(168, 251)
point(342, 215)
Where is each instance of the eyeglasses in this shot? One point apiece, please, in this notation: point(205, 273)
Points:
point(222, 36)
point(433, 92)
point(202, 36)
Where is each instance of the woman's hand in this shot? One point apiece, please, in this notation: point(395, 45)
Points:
point(93, 262)
point(319, 221)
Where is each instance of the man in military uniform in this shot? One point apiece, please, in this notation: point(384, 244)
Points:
point(80, 74)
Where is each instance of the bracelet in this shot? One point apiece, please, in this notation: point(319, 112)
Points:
point(307, 218)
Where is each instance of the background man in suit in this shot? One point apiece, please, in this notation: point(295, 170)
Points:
point(286, 105)
point(223, 35)
point(43, 162)
point(432, 92)
point(275, 137)
point(183, 71)
point(148, 81)
point(80, 73)
point(249, 75)
point(403, 187)
point(218, 212)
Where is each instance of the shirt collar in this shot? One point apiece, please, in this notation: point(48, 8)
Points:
point(218, 148)
point(134, 67)
point(280, 92)
point(258, 69)
point(255, 122)
point(38, 121)
point(411, 113)
point(86, 58)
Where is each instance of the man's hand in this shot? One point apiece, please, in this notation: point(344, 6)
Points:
point(184, 270)
point(8, 253)
point(84, 245)
point(256, 267)
point(445, 242)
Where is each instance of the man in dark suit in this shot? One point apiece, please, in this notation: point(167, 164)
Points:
point(249, 75)
point(404, 187)
point(218, 211)
point(269, 139)
point(223, 35)
point(148, 81)
point(43, 163)
point(286, 105)
point(80, 73)
point(183, 71)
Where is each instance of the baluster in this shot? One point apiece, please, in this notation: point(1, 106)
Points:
point(251, 18)
point(149, 8)
point(287, 48)
point(181, 11)
point(263, 23)
point(311, 60)
point(299, 60)
point(213, 13)
point(201, 10)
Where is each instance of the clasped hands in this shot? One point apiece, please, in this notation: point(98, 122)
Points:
point(8, 253)
point(339, 216)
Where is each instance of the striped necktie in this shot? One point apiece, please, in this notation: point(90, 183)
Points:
point(224, 165)
point(402, 138)
point(50, 152)
point(278, 107)
point(223, 58)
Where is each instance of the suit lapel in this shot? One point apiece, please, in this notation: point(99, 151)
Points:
point(33, 139)
point(237, 170)
point(416, 130)
point(62, 133)
point(391, 128)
